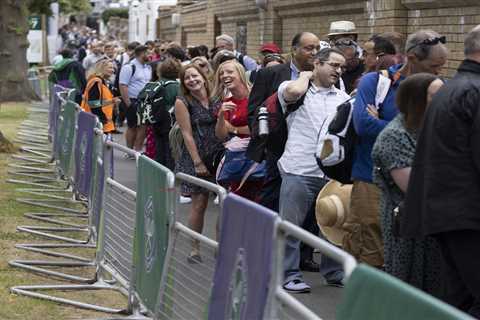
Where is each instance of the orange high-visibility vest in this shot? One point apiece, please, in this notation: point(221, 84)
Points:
point(106, 98)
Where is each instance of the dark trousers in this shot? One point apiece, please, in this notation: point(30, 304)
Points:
point(163, 154)
point(270, 193)
point(461, 272)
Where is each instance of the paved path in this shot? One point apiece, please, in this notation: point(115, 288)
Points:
point(322, 300)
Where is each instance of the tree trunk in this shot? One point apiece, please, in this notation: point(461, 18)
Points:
point(14, 85)
point(5, 145)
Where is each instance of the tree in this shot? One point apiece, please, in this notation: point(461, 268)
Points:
point(14, 28)
point(114, 12)
point(14, 85)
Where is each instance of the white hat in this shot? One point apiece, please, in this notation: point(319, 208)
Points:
point(332, 208)
point(342, 27)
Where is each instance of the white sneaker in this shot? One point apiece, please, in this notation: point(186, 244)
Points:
point(216, 200)
point(296, 286)
point(185, 200)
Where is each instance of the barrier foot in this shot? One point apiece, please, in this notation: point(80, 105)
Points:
point(43, 249)
point(49, 218)
point(35, 266)
point(39, 231)
point(49, 206)
point(30, 291)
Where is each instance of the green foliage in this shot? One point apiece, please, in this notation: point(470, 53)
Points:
point(74, 6)
point(114, 12)
point(66, 6)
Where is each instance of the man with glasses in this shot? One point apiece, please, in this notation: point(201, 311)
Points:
point(426, 52)
point(354, 66)
point(305, 46)
point(302, 179)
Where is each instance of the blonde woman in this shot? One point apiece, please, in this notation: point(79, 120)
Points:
point(97, 98)
point(232, 88)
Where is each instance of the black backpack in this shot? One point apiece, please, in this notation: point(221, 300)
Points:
point(275, 142)
point(153, 106)
point(336, 148)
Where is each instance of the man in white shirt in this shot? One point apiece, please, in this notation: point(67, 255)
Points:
point(302, 178)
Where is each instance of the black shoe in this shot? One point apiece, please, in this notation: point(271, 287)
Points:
point(309, 265)
point(336, 283)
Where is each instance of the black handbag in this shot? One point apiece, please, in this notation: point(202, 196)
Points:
point(212, 158)
point(396, 219)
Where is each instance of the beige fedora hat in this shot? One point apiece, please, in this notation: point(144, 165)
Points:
point(332, 209)
point(342, 27)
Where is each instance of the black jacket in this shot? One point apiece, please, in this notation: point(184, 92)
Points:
point(444, 189)
point(266, 83)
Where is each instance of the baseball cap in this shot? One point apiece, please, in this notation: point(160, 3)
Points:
point(270, 47)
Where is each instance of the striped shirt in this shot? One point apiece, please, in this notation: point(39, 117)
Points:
point(304, 126)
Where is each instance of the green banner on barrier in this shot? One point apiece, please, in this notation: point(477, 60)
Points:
point(97, 184)
point(67, 136)
point(155, 206)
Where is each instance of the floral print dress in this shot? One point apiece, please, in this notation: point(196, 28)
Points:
point(415, 261)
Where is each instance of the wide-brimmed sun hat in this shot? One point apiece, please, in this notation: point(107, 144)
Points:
point(332, 208)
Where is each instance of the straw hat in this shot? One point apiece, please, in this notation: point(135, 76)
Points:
point(342, 27)
point(332, 209)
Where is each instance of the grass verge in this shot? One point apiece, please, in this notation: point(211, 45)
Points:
point(11, 215)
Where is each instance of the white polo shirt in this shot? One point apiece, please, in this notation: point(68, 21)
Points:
point(304, 126)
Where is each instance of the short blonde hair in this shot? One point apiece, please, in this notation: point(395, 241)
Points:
point(100, 67)
point(219, 92)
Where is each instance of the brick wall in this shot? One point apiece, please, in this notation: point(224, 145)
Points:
point(200, 22)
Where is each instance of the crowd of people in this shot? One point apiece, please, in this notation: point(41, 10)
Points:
point(412, 207)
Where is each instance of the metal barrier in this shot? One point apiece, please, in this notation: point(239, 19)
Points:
point(84, 160)
point(114, 253)
point(283, 305)
point(95, 207)
point(186, 284)
point(114, 258)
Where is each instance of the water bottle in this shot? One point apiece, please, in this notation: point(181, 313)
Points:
point(263, 122)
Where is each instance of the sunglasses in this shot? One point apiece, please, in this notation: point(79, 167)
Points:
point(345, 42)
point(430, 42)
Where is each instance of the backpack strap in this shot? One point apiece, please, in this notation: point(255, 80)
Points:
point(297, 104)
point(134, 67)
point(383, 86)
point(240, 57)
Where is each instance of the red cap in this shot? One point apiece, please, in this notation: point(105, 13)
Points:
point(270, 47)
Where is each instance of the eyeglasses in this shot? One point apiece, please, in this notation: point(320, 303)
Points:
point(336, 66)
point(273, 57)
point(345, 42)
point(430, 42)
